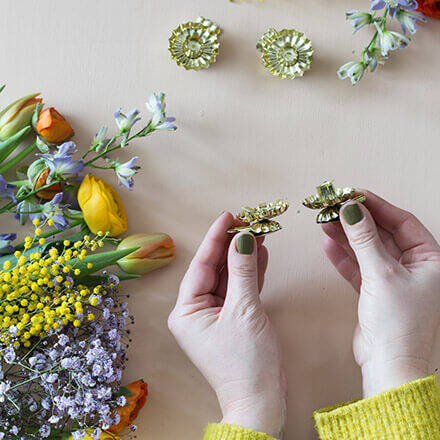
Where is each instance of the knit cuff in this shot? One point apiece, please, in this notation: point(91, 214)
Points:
point(222, 431)
point(409, 412)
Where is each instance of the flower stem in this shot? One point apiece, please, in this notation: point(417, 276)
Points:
point(14, 161)
point(11, 204)
point(117, 146)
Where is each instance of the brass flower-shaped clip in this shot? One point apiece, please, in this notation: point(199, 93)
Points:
point(259, 218)
point(195, 45)
point(329, 199)
point(287, 53)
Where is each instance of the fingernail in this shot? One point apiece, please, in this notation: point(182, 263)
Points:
point(245, 244)
point(352, 214)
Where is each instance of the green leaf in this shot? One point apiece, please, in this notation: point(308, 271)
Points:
point(99, 261)
point(9, 145)
point(123, 391)
point(93, 280)
point(27, 252)
point(2, 87)
point(35, 116)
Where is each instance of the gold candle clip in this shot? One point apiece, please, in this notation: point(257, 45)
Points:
point(330, 199)
point(259, 218)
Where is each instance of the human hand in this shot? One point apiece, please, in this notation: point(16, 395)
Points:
point(393, 261)
point(221, 325)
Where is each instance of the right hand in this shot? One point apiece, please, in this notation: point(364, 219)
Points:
point(393, 261)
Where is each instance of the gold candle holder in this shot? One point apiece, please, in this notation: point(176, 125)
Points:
point(195, 45)
point(259, 218)
point(287, 53)
point(330, 199)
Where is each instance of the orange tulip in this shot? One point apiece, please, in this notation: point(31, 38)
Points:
point(155, 251)
point(53, 127)
point(135, 403)
point(48, 193)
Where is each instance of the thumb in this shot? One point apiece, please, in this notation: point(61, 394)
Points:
point(242, 269)
point(363, 236)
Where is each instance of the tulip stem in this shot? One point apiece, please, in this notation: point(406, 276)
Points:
point(72, 224)
point(14, 161)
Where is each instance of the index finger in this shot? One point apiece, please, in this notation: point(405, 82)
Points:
point(202, 275)
point(408, 232)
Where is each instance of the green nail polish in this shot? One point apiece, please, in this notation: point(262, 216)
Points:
point(245, 244)
point(352, 214)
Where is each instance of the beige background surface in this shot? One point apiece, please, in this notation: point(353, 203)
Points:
point(243, 137)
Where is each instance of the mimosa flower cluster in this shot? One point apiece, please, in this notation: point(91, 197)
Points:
point(38, 293)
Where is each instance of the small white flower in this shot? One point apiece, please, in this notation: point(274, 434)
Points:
point(390, 40)
point(353, 70)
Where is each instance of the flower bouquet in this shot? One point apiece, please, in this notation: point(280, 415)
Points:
point(63, 318)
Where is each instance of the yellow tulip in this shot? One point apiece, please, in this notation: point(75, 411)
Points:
point(102, 207)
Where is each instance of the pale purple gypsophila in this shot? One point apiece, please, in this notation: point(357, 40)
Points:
point(81, 370)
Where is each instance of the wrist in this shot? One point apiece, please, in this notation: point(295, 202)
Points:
point(264, 414)
point(382, 375)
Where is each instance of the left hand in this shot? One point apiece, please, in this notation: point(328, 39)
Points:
point(221, 325)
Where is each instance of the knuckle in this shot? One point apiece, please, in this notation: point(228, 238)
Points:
point(245, 308)
point(246, 271)
point(172, 323)
point(364, 238)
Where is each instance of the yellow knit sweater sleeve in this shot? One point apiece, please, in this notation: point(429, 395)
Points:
point(220, 431)
point(409, 412)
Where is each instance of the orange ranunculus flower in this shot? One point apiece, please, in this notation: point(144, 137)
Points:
point(53, 127)
point(431, 8)
point(48, 193)
point(102, 208)
point(135, 403)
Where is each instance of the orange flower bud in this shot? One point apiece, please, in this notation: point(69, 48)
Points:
point(431, 8)
point(135, 403)
point(155, 251)
point(53, 127)
point(48, 193)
